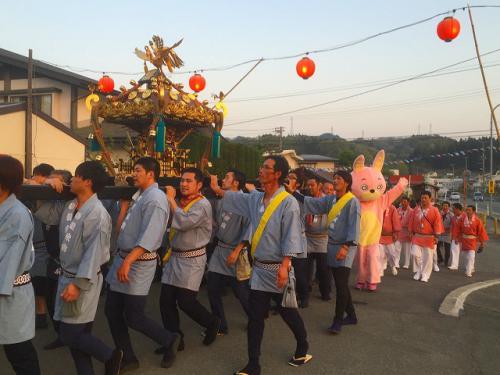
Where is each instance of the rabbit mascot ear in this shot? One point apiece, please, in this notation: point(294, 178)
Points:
point(378, 162)
point(359, 163)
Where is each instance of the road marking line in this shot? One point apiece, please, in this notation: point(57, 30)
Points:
point(453, 303)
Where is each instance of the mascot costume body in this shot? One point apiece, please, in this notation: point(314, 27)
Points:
point(368, 185)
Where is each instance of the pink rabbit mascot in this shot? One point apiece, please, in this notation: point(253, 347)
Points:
point(368, 185)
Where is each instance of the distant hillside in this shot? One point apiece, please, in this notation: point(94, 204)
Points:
point(419, 149)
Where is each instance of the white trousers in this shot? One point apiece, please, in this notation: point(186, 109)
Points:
point(454, 255)
point(382, 259)
point(397, 253)
point(469, 258)
point(405, 250)
point(424, 260)
point(391, 255)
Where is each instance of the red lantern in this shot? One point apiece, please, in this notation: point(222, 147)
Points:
point(197, 82)
point(305, 67)
point(106, 84)
point(448, 29)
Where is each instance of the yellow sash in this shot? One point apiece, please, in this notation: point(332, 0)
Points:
point(273, 205)
point(171, 235)
point(338, 206)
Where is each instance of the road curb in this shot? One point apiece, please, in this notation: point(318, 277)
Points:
point(453, 303)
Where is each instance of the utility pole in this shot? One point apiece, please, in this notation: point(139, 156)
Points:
point(483, 179)
point(279, 131)
point(430, 129)
point(491, 154)
point(291, 125)
point(331, 130)
point(28, 132)
point(418, 132)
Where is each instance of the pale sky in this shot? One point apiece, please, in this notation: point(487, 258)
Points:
point(101, 35)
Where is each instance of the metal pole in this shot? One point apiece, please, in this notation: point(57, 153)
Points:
point(491, 154)
point(28, 129)
point(482, 72)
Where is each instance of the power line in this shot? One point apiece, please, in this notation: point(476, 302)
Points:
point(346, 87)
point(379, 88)
point(287, 57)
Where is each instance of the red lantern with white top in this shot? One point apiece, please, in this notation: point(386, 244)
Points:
point(448, 29)
point(197, 82)
point(305, 67)
point(106, 84)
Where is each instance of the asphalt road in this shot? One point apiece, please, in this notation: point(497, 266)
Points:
point(399, 331)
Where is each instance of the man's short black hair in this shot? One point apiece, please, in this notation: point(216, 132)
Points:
point(11, 174)
point(346, 176)
point(280, 165)
point(150, 165)
point(445, 202)
point(404, 197)
point(315, 178)
point(198, 174)
point(238, 176)
point(43, 169)
point(458, 206)
point(472, 207)
point(426, 192)
point(94, 171)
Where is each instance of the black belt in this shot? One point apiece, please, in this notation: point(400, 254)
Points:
point(269, 266)
point(225, 244)
point(193, 253)
point(147, 256)
point(71, 275)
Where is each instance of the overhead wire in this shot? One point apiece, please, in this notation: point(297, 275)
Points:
point(285, 57)
point(365, 92)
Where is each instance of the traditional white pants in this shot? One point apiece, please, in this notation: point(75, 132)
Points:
point(454, 255)
point(382, 259)
point(405, 249)
point(391, 256)
point(397, 253)
point(469, 258)
point(424, 260)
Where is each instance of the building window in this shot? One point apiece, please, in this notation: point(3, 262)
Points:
point(42, 103)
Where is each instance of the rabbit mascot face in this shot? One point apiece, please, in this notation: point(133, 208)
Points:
point(368, 185)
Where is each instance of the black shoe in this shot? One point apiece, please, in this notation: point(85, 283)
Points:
point(129, 365)
point(326, 298)
point(169, 356)
point(41, 321)
point(160, 350)
point(248, 370)
point(211, 332)
point(54, 345)
point(303, 303)
point(112, 365)
point(181, 346)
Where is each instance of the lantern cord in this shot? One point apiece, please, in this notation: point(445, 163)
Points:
point(287, 57)
point(492, 111)
point(242, 78)
point(379, 88)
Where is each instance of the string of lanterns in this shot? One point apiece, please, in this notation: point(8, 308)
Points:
point(447, 30)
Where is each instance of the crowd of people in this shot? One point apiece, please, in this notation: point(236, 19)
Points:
point(269, 245)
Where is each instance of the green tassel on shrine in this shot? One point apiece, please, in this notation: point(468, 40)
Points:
point(215, 154)
point(94, 144)
point(160, 136)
